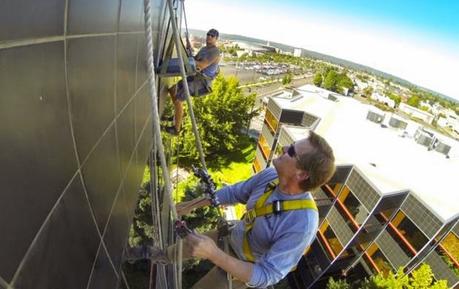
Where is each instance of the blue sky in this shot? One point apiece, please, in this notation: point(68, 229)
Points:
point(435, 19)
point(415, 40)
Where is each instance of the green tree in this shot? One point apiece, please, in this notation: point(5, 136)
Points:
point(331, 80)
point(244, 57)
point(220, 116)
point(367, 91)
point(287, 79)
point(424, 108)
point(338, 284)
point(414, 100)
point(344, 82)
point(317, 79)
point(421, 278)
point(396, 281)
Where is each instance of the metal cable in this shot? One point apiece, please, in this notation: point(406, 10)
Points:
point(185, 84)
point(155, 214)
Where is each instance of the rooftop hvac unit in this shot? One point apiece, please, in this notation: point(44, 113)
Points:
point(294, 117)
point(332, 98)
point(424, 140)
point(397, 123)
point(443, 148)
point(375, 117)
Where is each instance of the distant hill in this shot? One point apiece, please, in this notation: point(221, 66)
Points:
point(325, 57)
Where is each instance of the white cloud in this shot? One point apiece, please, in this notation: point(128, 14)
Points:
point(399, 52)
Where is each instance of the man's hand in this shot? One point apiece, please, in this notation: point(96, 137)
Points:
point(204, 247)
point(201, 246)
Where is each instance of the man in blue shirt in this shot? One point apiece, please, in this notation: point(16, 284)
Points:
point(200, 84)
point(277, 241)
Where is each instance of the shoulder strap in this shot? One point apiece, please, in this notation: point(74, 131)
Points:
point(263, 209)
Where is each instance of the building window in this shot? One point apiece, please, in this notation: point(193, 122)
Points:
point(337, 188)
point(353, 205)
point(447, 259)
point(448, 249)
point(333, 241)
point(409, 230)
point(451, 244)
point(381, 262)
point(256, 165)
point(264, 146)
point(279, 151)
point(271, 121)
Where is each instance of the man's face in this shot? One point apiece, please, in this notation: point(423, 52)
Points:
point(211, 39)
point(286, 163)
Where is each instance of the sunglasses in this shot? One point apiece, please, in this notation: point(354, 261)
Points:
point(211, 35)
point(291, 152)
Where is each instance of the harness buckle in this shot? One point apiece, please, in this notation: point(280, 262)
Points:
point(277, 207)
point(250, 216)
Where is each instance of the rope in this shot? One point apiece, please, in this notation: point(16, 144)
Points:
point(155, 114)
point(187, 34)
point(185, 84)
point(154, 98)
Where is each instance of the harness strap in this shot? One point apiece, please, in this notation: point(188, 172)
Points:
point(263, 209)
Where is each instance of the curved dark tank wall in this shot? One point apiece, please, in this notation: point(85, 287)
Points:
point(75, 133)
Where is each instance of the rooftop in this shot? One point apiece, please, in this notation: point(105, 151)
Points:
point(392, 163)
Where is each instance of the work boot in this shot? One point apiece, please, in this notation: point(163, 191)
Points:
point(167, 118)
point(171, 130)
point(143, 252)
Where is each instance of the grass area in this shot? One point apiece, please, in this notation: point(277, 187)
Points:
point(238, 170)
point(234, 166)
point(226, 169)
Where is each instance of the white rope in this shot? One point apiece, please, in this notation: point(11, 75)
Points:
point(155, 115)
point(154, 101)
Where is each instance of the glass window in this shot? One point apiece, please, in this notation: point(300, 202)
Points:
point(279, 150)
point(452, 265)
point(381, 262)
point(337, 187)
point(323, 227)
point(409, 230)
point(333, 241)
point(271, 121)
point(451, 244)
point(256, 165)
point(369, 233)
point(356, 209)
point(264, 146)
point(343, 194)
point(347, 217)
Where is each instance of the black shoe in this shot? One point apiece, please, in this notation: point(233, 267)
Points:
point(167, 118)
point(171, 130)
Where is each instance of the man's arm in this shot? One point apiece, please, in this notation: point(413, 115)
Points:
point(204, 247)
point(204, 63)
point(185, 208)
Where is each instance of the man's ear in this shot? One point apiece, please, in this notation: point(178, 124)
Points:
point(302, 175)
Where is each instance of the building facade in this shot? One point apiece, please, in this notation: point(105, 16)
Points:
point(365, 228)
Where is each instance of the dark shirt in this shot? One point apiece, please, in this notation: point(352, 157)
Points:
point(209, 53)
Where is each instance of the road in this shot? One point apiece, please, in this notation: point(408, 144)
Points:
point(250, 76)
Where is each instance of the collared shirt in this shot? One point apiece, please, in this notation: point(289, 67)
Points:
point(209, 53)
point(277, 241)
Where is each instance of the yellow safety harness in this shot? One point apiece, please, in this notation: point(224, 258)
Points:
point(263, 209)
